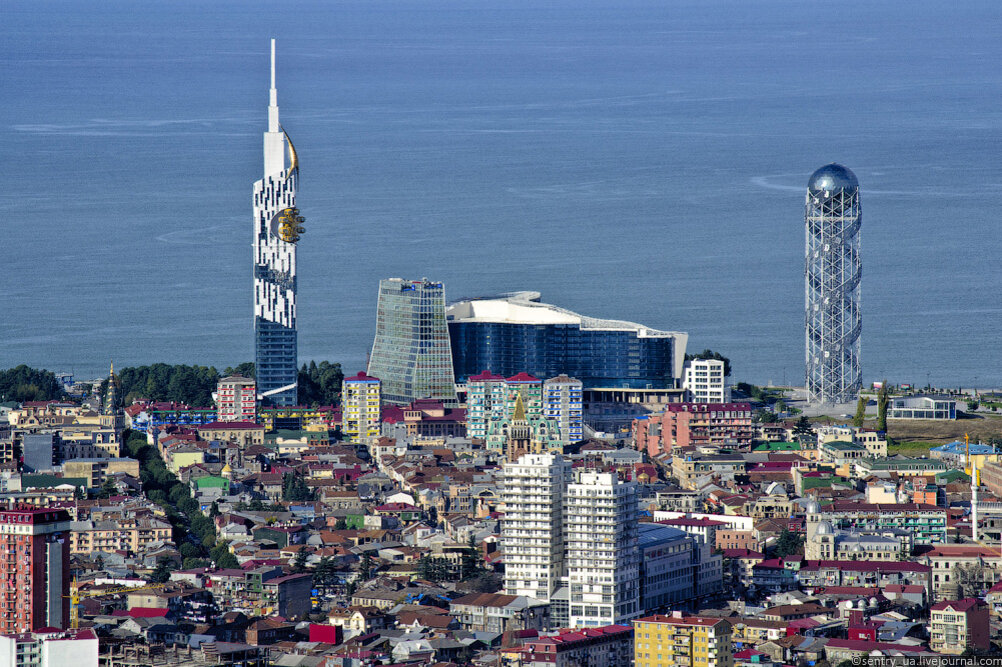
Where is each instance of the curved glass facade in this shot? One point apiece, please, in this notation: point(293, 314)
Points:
point(599, 358)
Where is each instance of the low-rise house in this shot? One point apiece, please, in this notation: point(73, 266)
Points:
point(792, 612)
point(772, 576)
point(960, 570)
point(132, 534)
point(608, 646)
point(244, 433)
point(266, 631)
point(868, 574)
point(493, 612)
point(838, 650)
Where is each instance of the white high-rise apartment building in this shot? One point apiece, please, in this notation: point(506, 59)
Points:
point(532, 528)
point(704, 381)
point(603, 556)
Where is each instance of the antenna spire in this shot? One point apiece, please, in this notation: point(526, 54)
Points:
point(273, 125)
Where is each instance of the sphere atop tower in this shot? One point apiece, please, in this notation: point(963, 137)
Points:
point(832, 178)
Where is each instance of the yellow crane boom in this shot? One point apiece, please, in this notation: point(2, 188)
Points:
point(76, 596)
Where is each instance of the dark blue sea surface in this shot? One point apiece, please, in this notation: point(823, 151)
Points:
point(641, 160)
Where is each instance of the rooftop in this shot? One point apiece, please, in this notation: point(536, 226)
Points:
point(680, 620)
point(525, 308)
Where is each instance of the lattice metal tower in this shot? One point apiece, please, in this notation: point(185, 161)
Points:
point(832, 272)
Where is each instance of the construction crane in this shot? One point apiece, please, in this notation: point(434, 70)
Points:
point(76, 596)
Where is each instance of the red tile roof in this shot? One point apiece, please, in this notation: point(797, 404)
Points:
point(485, 376)
point(522, 377)
point(361, 377)
point(957, 605)
point(866, 566)
point(229, 426)
point(695, 523)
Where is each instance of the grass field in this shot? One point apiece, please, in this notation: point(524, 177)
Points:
point(911, 448)
point(941, 432)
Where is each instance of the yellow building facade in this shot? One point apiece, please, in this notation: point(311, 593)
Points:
point(682, 641)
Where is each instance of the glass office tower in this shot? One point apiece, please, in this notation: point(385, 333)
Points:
point(515, 333)
point(410, 352)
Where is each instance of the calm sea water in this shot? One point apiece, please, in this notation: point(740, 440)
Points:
point(642, 160)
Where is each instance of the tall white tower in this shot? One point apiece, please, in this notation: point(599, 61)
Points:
point(832, 274)
point(277, 226)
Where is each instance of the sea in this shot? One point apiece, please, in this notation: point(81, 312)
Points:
point(634, 159)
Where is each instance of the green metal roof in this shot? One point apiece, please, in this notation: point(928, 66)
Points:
point(43, 481)
point(212, 481)
point(778, 447)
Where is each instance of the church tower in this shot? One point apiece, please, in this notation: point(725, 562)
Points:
point(111, 394)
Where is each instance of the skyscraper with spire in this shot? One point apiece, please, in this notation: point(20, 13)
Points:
point(277, 227)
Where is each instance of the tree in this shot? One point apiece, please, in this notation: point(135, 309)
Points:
point(246, 369)
point(177, 492)
point(765, 417)
point(99, 562)
point(294, 488)
point(470, 562)
point(882, 407)
point(299, 562)
point(214, 509)
point(192, 385)
point(320, 384)
point(972, 405)
point(365, 568)
point(323, 574)
point(108, 489)
point(434, 569)
point(483, 582)
point(857, 419)
point(161, 574)
point(219, 555)
point(803, 427)
point(780, 406)
point(189, 550)
point(710, 354)
point(227, 561)
point(24, 383)
point(789, 543)
point(202, 527)
point(340, 524)
point(188, 506)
